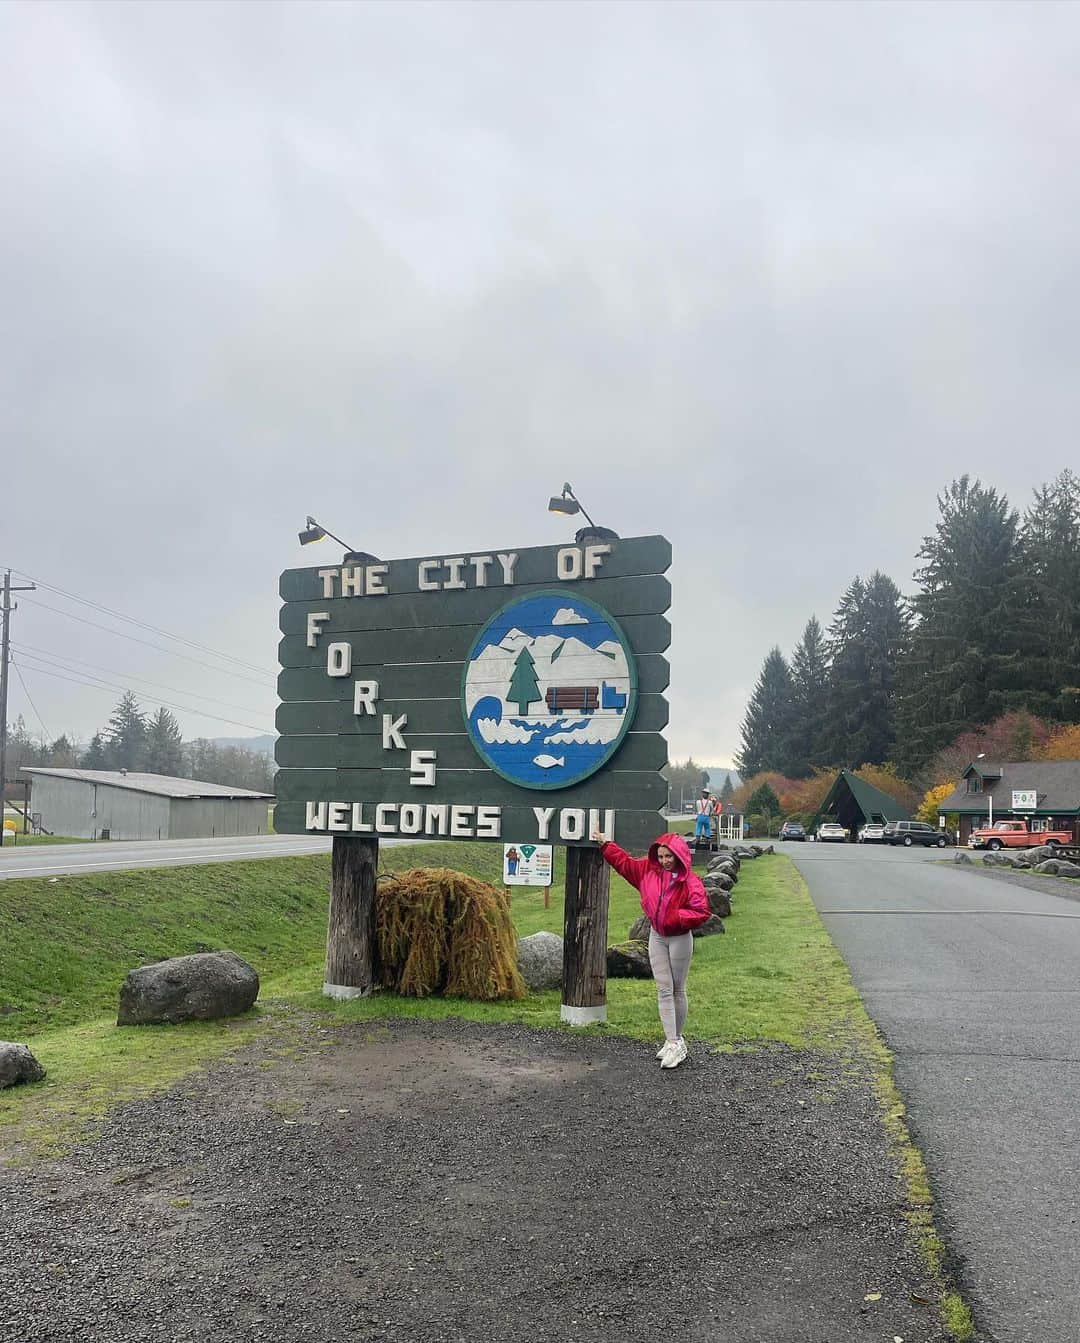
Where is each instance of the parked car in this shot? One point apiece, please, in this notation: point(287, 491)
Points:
point(828, 832)
point(908, 833)
point(873, 832)
point(792, 830)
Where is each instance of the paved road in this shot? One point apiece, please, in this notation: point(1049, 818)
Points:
point(51, 860)
point(974, 983)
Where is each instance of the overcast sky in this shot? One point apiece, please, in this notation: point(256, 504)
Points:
point(762, 278)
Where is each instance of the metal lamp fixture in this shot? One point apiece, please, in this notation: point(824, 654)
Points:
point(315, 531)
point(568, 503)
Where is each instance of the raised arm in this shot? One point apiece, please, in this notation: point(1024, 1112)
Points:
point(630, 869)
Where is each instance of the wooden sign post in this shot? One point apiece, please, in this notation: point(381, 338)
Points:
point(351, 970)
point(509, 695)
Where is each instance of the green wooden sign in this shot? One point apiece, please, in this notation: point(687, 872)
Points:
point(454, 696)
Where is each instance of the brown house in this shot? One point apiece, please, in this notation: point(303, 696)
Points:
point(1044, 792)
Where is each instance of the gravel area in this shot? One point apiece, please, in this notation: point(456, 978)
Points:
point(420, 1181)
point(1067, 888)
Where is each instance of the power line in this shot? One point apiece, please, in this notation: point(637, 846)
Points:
point(142, 624)
point(26, 692)
point(97, 683)
point(168, 651)
point(39, 653)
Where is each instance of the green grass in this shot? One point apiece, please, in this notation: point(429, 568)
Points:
point(22, 839)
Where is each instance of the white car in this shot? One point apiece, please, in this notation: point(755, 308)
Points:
point(872, 833)
point(829, 832)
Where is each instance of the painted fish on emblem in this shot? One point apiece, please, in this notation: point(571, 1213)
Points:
point(549, 761)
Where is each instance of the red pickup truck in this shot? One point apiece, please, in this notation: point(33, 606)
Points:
point(1016, 835)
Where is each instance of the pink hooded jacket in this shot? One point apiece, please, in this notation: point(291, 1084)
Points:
point(674, 902)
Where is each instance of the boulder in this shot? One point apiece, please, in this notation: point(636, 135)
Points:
point(720, 881)
point(540, 957)
point(744, 852)
point(629, 960)
point(639, 930)
point(204, 987)
point(720, 903)
point(17, 1065)
point(961, 857)
point(1059, 867)
point(714, 925)
point(725, 863)
point(999, 860)
point(1033, 857)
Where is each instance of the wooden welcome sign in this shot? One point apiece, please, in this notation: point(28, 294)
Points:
point(497, 694)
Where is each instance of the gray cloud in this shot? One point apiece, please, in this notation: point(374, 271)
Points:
point(762, 278)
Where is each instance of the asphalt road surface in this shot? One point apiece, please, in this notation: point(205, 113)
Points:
point(53, 860)
point(974, 983)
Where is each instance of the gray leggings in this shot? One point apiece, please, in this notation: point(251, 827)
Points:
point(670, 961)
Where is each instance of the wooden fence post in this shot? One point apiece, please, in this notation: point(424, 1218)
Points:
point(584, 997)
point(350, 934)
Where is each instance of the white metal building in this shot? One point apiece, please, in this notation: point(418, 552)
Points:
point(114, 804)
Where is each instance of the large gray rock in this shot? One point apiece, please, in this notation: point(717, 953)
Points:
point(540, 957)
point(720, 881)
point(714, 925)
point(629, 960)
point(17, 1065)
point(203, 987)
point(1033, 857)
point(719, 903)
point(961, 857)
point(724, 861)
point(998, 860)
point(1059, 867)
point(639, 930)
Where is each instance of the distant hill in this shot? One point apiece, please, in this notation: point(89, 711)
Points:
point(716, 776)
point(256, 745)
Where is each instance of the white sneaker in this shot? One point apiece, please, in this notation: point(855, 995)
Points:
point(664, 1048)
point(675, 1054)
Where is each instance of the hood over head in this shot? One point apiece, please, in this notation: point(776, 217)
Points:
point(678, 846)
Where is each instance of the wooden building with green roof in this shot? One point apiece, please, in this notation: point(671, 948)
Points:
point(852, 803)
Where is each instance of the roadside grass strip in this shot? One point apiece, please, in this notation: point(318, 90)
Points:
point(774, 977)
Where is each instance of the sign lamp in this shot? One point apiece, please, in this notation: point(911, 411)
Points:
point(569, 503)
point(315, 531)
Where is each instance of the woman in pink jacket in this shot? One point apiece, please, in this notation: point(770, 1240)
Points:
point(675, 903)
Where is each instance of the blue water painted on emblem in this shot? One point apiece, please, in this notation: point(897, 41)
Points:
point(549, 690)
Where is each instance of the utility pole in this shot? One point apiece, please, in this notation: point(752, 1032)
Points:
point(5, 658)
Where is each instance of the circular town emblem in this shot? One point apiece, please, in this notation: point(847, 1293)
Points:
point(549, 690)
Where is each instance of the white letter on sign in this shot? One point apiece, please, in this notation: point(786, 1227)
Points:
point(422, 769)
point(339, 659)
point(365, 693)
point(572, 823)
point(423, 580)
point(568, 563)
point(315, 819)
point(391, 732)
point(314, 620)
point(543, 820)
point(594, 558)
point(506, 563)
point(328, 576)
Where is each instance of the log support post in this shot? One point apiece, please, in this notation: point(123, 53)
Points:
point(584, 997)
point(350, 934)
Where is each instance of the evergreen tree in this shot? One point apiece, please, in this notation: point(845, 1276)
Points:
point(63, 753)
point(524, 687)
point(1049, 627)
point(867, 640)
point(810, 700)
point(96, 756)
point(763, 801)
point(961, 669)
point(164, 748)
point(766, 727)
point(727, 792)
point(125, 734)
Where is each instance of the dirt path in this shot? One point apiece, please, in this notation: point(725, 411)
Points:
point(457, 1182)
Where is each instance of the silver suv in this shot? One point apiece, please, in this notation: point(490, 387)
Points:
point(915, 832)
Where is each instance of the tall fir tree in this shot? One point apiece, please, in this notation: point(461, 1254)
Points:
point(164, 747)
point(961, 667)
point(766, 728)
point(1049, 550)
point(867, 640)
point(125, 734)
point(727, 792)
point(95, 756)
point(810, 700)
